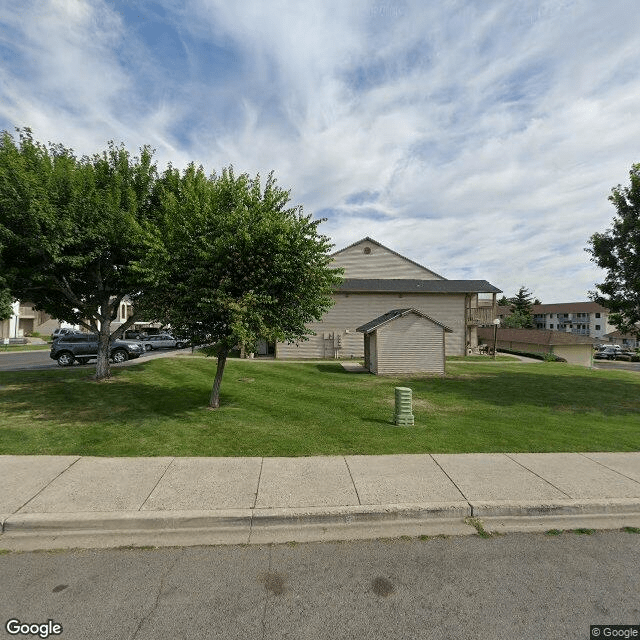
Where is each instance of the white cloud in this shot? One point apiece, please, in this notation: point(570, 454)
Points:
point(491, 135)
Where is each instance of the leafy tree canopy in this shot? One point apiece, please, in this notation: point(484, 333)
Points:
point(69, 230)
point(617, 251)
point(231, 262)
point(521, 306)
point(518, 320)
point(6, 300)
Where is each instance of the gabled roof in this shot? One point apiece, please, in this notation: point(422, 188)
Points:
point(353, 285)
point(372, 241)
point(390, 316)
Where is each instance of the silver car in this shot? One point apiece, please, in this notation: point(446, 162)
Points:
point(161, 341)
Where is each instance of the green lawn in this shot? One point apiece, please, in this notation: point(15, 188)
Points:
point(158, 408)
point(11, 348)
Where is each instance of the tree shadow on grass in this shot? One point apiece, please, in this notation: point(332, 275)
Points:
point(332, 367)
point(536, 388)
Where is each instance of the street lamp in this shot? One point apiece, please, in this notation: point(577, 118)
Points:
point(496, 324)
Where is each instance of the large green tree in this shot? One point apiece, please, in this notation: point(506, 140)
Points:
point(69, 230)
point(230, 262)
point(617, 251)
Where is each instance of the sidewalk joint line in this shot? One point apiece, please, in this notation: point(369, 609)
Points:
point(255, 498)
point(541, 478)
point(586, 455)
point(33, 497)
point(352, 480)
point(156, 484)
point(452, 482)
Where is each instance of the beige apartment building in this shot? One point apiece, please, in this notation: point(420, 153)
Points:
point(378, 280)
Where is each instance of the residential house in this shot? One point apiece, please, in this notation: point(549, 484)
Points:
point(378, 280)
point(626, 340)
point(27, 320)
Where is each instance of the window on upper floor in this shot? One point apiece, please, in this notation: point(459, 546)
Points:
point(597, 315)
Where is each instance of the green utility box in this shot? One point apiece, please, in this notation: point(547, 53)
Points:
point(404, 409)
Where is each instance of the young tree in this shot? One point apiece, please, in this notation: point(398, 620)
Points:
point(69, 230)
point(617, 251)
point(230, 263)
point(521, 310)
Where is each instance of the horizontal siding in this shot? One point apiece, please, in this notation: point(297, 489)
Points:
point(410, 345)
point(314, 347)
point(380, 263)
point(575, 353)
point(353, 310)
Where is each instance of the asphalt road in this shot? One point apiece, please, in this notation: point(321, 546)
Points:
point(26, 360)
point(621, 365)
point(515, 586)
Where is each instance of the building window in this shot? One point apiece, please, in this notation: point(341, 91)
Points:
point(551, 326)
point(597, 327)
point(366, 250)
point(597, 315)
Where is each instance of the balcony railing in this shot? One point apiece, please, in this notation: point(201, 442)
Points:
point(481, 315)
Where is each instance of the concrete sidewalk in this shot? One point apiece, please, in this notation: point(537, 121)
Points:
point(71, 501)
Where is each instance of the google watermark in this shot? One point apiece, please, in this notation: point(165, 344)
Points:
point(598, 631)
point(41, 629)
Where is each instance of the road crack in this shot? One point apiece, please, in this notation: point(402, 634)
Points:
point(154, 608)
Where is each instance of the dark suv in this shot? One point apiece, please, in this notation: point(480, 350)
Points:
point(84, 347)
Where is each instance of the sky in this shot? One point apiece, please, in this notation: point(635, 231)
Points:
point(479, 138)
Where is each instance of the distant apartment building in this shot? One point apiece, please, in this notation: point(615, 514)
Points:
point(579, 318)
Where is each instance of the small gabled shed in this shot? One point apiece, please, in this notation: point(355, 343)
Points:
point(404, 341)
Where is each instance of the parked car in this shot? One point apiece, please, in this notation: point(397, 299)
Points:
point(82, 347)
point(61, 331)
point(625, 355)
point(162, 341)
point(608, 353)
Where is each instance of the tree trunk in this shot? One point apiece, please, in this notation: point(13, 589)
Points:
point(103, 370)
point(214, 400)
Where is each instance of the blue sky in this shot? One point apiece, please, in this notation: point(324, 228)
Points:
point(481, 139)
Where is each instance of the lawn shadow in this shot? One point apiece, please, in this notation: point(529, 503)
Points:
point(333, 367)
point(566, 391)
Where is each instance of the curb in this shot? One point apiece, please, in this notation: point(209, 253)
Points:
point(591, 506)
point(30, 531)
